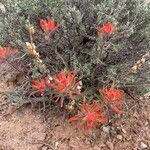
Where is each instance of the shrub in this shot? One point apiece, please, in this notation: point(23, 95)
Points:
point(103, 41)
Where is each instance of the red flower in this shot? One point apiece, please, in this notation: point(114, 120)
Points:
point(113, 97)
point(39, 85)
point(89, 117)
point(48, 25)
point(107, 28)
point(5, 51)
point(65, 85)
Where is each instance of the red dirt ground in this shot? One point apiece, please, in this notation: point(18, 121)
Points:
point(24, 129)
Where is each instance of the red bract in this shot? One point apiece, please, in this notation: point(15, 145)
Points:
point(39, 85)
point(48, 25)
point(90, 117)
point(107, 28)
point(64, 85)
point(113, 97)
point(5, 51)
point(2, 53)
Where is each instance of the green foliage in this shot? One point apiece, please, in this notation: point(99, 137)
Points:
point(76, 45)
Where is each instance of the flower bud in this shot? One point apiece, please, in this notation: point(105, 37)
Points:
point(31, 49)
point(31, 30)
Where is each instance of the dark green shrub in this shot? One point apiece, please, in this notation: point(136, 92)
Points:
point(76, 45)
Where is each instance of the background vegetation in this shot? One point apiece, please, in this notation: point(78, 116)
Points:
point(76, 44)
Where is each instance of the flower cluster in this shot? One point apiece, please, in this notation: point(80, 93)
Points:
point(107, 29)
point(66, 85)
point(90, 117)
point(39, 86)
point(6, 51)
point(63, 84)
point(113, 97)
point(48, 25)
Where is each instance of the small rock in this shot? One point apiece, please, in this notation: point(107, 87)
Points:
point(20, 114)
point(2, 8)
point(96, 147)
point(113, 131)
point(146, 129)
point(119, 137)
point(106, 129)
point(143, 145)
point(44, 148)
point(74, 143)
point(149, 144)
point(110, 145)
point(146, 123)
point(56, 145)
point(141, 98)
point(124, 131)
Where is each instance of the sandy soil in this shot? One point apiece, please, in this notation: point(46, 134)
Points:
point(19, 129)
point(24, 129)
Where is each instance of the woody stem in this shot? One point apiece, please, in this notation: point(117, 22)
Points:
point(30, 34)
point(101, 51)
point(9, 63)
point(31, 38)
point(61, 58)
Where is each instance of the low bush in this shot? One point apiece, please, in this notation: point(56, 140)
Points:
point(70, 49)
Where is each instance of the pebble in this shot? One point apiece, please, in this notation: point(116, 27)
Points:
point(2, 8)
point(146, 123)
point(96, 147)
point(56, 145)
point(141, 98)
point(110, 145)
point(143, 145)
point(106, 129)
point(119, 137)
point(149, 144)
point(44, 148)
point(124, 131)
